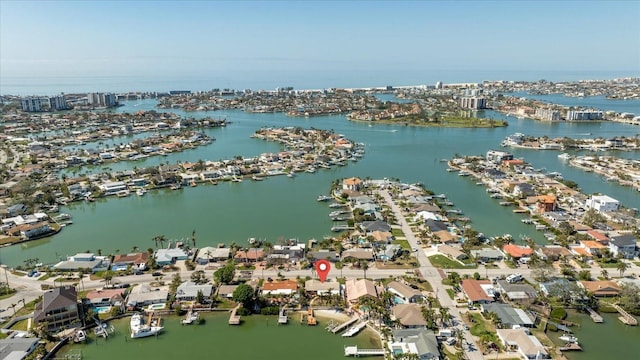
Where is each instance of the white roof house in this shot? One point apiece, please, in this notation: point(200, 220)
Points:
point(603, 203)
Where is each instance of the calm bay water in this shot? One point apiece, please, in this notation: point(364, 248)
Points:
point(258, 337)
point(281, 207)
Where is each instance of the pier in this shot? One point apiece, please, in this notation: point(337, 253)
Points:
point(344, 325)
point(594, 315)
point(626, 318)
point(354, 351)
point(354, 329)
point(570, 347)
point(282, 316)
point(234, 319)
point(311, 319)
point(337, 228)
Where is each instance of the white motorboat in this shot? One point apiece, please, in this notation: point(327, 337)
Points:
point(141, 192)
point(569, 338)
point(139, 329)
point(79, 336)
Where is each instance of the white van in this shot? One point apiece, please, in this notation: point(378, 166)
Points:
point(513, 278)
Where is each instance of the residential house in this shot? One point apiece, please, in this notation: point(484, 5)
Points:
point(58, 309)
point(226, 291)
point(143, 295)
point(170, 256)
point(602, 203)
point(487, 254)
point(324, 254)
point(553, 252)
point(359, 254)
point(522, 190)
point(421, 342)
point(521, 293)
point(445, 237)
point(561, 288)
point(280, 287)
point(508, 316)
point(454, 252)
point(212, 254)
point(390, 252)
point(624, 245)
point(188, 291)
point(137, 261)
point(520, 340)
point(106, 297)
point(598, 236)
point(601, 288)
point(408, 315)
point(403, 292)
point(18, 348)
point(592, 247)
point(248, 256)
point(377, 225)
point(82, 261)
point(382, 237)
point(436, 225)
point(317, 287)
point(546, 203)
point(478, 291)
point(425, 215)
point(353, 184)
point(517, 251)
point(358, 288)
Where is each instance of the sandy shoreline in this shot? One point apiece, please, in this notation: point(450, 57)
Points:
point(332, 314)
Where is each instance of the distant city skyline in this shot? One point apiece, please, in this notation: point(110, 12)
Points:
point(237, 41)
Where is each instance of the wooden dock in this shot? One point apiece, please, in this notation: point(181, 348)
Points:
point(344, 325)
point(574, 346)
point(355, 329)
point(354, 351)
point(234, 319)
point(626, 318)
point(594, 315)
point(311, 319)
point(283, 318)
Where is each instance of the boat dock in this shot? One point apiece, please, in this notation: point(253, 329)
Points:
point(283, 318)
point(311, 319)
point(354, 329)
point(344, 325)
point(626, 318)
point(594, 315)
point(337, 228)
point(573, 346)
point(354, 351)
point(234, 319)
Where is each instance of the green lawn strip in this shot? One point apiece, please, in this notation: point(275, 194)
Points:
point(443, 262)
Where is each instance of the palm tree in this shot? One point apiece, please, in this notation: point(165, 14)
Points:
point(445, 316)
point(159, 239)
point(14, 309)
point(622, 267)
point(604, 273)
point(339, 266)
point(459, 339)
point(365, 267)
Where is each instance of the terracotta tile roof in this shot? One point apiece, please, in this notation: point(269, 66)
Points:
point(580, 251)
point(517, 251)
point(601, 287)
point(352, 181)
point(134, 258)
point(358, 288)
point(473, 289)
point(591, 244)
point(106, 293)
point(597, 235)
point(280, 285)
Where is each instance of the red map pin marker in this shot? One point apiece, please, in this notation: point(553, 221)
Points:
point(322, 268)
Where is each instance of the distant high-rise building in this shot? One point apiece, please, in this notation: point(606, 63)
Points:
point(31, 104)
point(58, 103)
point(102, 99)
point(548, 114)
point(573, 115)
point(439, 85)
point(473, 102)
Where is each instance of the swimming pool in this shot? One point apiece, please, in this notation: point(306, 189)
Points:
point(156, 306)
point(102, 309)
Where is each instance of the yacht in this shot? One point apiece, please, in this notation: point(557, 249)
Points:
point(564, 156)
point(569, 338)
point(324, 198)
point(139, 329)
point(79, 336)
point(141, 192)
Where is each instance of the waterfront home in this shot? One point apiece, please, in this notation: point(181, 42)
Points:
point(58, 309)
point(521, 293)
point(188, 291)
point(358, 254)
point(599, 236)
point(390, 252)
point(17, 209)
point(105, 297)
point(453, 252)
point(508, 316)
point(170, 256)
point(404, 293)
point(517, 251)
point(435, 225)
point(209, 254)
point(317, 287)
point(226, 291)
point(137, 261)
point(421, 342)
point(553, 252)
point(487, 254)
point(601, 288)
point(143, 295)
point(602, 203)
point(445, 237)
point(83, 261)
point(408, 315)
point(377, 225)
point(112, 188)
point(523, 342)
point(281, 254)
point(382, 237)
point(592, 247)
point(353, 184)
point(248, 256)
point(522, 190)
point(546, 203)
point(35, 231)
point(427, 215)
point(624, 246)
point(478, 291)
point(324, 254)
point(18, 348)
point(561, 288)
point(357, 288)
point(279, 287)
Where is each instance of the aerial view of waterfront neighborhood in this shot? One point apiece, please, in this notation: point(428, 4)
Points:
point(433, 180)
point(409, 268)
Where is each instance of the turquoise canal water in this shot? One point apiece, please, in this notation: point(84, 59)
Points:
point(258, 337)
point(280, 207)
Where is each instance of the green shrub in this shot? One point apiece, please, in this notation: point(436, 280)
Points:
point(558, 313)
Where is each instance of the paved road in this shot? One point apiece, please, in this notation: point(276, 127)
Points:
point(430, 273)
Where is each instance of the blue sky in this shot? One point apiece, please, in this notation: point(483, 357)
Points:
point(121, 38)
